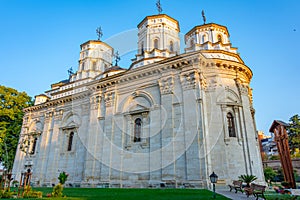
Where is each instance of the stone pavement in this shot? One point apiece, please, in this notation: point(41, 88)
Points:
point(235, 196)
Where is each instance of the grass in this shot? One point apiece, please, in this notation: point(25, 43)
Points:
point(144, 194)
point(128, 194)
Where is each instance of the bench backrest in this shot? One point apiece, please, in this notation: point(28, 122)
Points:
point(239, 183)
point(258, 187)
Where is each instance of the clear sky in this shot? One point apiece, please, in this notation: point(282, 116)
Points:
point(40, 41)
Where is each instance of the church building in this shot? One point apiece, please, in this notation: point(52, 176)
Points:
point(169, 119)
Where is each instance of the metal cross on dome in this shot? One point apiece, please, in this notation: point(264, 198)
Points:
point(203, 16)
point(117, 58)
point(99, 33)
point(70, 71)
point(159, 8)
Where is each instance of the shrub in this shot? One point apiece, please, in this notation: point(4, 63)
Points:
point(29, 193)
point(63, 176)
point(5, 194)
point(247, 179)
point(57, 190)
point(286, 184)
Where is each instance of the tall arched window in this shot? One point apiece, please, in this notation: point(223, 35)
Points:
point(33, 146)
point(219, 38)
point(204, 38)
point(155, 43)
point(137, 130)
point(230, 121)
point(171, 46)
point(142, 48)
point(70, 141)
point(192, 42)
point(94, 65)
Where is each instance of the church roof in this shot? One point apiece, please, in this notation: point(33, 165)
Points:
point(95, 41)
point(113, 68)
point(158, 16)
point(209, 25)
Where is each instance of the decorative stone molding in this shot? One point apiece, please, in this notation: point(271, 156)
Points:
point(58, 114)
point(109, 98)
point(250, 95)
point(48, 115)
point(212, 83)
point(95, 102)
point(166, 85)
point(243, 89)
point(189, 80)
point(203, 82)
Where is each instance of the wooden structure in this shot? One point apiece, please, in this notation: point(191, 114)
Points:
point(281, 138)
point(24, 181)
point(236, 185)
point(256, 190)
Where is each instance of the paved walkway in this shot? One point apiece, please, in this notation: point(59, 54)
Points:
point(233, 195)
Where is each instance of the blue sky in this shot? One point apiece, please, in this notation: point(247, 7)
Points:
point(40, 41)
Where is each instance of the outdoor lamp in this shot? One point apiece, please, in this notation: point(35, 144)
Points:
point(213, 179)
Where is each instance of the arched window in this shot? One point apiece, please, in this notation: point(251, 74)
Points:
point(137, 130)
point(171, 46)
point(219, 38)
point(142, 48)
point(155, 43)
point(33, 146)
point(82, 66)
point(70, 141)
point(192, 42)
point(204, 39)
point(230, 121)
point(94, 65)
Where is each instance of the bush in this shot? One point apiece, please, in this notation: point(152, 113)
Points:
point(286, 184)
point(63, 176)
point(29, 193)
point(247, 179)
point(5, 194)
point(57, 190)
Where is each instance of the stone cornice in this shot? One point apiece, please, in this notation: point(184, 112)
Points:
point(237, 67)
point(58, 101)
point(208, 27)
point(223, 52)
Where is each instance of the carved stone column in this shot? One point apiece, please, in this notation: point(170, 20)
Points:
point(166, 84)
point(192, 116)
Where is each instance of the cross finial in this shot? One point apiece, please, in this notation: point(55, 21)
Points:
point(99, 33)
point(159, 8)
point(203, 16)
point(70, 71)
point(117, 58)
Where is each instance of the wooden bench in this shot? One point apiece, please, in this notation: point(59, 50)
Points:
point(237, 185)
point(256, 190)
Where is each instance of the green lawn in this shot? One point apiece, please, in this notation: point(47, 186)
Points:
point(143, 194)
point(126, 194)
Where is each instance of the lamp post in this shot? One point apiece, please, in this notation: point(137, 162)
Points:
point(213, 179)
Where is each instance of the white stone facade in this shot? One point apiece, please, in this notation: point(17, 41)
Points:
point(172, 121)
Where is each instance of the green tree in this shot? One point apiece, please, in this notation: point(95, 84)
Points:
point(269, 173)
point(294, 132)
point(11, 115)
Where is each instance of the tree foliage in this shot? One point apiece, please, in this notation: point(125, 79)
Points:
point(11, 115)
point(246, 178)
point(294, 132)
point(269, 173)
